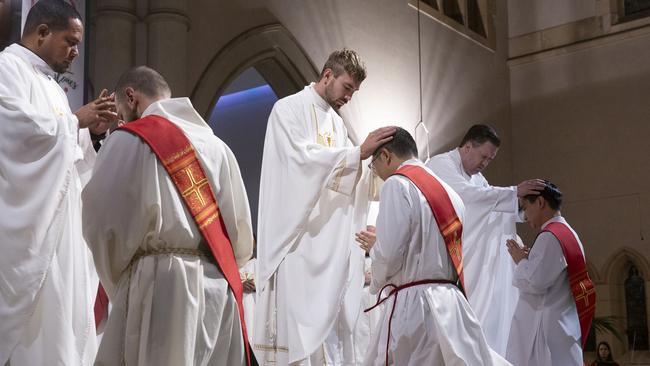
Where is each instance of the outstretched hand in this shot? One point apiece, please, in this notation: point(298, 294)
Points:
point(531, 186)
point(99, 114)
point(375, 139)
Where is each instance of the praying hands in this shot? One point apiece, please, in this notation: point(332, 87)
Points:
point(517, 252)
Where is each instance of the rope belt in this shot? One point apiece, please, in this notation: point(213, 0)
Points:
point(197, 252)
point(394, 291)
point(202, 251)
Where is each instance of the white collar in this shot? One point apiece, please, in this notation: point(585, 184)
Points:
point(556, 218)
point(413, 161)
point(317, 99)
point(455, 156)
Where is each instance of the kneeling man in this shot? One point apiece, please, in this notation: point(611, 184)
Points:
point(417, 266)
point(557, 299)
point(167, 219)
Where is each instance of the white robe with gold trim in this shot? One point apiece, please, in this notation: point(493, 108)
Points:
point(313, 198)
point(47, 280)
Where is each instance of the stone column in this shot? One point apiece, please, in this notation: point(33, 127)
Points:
point(113, 42)
point(167, 29)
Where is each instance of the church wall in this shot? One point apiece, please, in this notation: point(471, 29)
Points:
point(580, 118)
point(463, 82)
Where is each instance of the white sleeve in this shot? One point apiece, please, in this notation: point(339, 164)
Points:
point(234, 207)
point(544, 265)
point(393, 232)
point(499, 199)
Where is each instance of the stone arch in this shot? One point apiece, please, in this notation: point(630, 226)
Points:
point(616, 264)
point(594, 274)
point(271, 49)
point(615, 272)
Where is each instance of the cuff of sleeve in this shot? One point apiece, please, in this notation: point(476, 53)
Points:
point(346, 174)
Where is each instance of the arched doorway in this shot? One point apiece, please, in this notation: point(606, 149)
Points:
point(238, 88)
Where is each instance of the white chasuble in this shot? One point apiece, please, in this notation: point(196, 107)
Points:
point(489, 221)
point(313, 198)
point(47, 279)
point(171, 306)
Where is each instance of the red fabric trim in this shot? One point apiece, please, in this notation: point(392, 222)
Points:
point(169, 142)
point(581, 285)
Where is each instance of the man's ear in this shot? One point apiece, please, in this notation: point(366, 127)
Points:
point(328, 75)
point(42, 31)
point(130, 94)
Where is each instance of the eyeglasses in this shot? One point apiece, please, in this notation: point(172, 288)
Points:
point(371, 165)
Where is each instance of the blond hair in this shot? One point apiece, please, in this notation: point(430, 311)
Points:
point(345, 60)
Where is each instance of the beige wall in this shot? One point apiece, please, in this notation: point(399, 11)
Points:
point(580, 117)
point(462, 81)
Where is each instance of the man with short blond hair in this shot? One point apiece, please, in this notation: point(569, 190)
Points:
point(313, 199)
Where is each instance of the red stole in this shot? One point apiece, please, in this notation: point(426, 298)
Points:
point(177, 155)
point(579, 281)
point(443, 211)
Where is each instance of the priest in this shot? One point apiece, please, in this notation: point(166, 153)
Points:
point(557, 299)
point(173, 228)
point(492, 213)
point(313, 199)
point(47, 279)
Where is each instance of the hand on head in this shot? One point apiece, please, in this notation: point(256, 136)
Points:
point(531, 186)
point(375, 139)
point(99, 114)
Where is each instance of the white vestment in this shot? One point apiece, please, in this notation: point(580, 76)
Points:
point(367, 323)
point(432, 324)
point(168, 309)
point(490, 220)
point(248, 272)
point(47, 279)
point(313, 198)
point(545, 329)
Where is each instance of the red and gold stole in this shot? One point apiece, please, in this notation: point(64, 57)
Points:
point(581, 285)
point(443, 211)
point(177, 155)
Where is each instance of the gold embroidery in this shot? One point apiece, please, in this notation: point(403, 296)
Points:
point(585, 293)
point(271, 348)
point(178, 155)
point(209, 220)
point(195, 188)
point(324, 139)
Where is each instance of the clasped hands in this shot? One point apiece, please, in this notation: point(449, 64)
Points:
point(99, 114)
point(517, 252)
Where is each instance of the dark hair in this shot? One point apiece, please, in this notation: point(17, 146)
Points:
point(403, 145)
point(551, 194)
point(56, 14)
point(479, 134)
point(609, 358)
point(143, 79)
point(345, 60)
